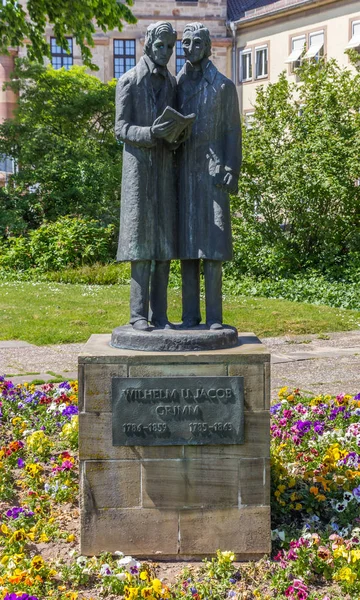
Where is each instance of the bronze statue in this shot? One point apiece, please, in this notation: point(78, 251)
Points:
point(148, 219)
point(209, 165)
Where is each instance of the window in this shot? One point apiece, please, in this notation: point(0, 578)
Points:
point(124, 56)
point(59, 56)
point(355, 35)
point(248, 119)
point(7, 164)
point(297, 49)
point(316, 45)
point(261, 62)
point(246, 65)
point(180, 57)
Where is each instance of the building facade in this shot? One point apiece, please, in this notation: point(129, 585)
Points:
point(272, 37)
point(253, 40)
point(117, 51)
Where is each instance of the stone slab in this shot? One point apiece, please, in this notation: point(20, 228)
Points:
point(174, 340)
point(254, 482)
point(15, 344)
point(97, 385)
point(98, 350)
point(182, 370)
point(114, 483)
point(190, 483)
point(254, 384)
point(246, 531)
point(135, 531)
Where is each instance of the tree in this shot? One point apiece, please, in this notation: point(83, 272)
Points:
point(21, 20)
point(62, 138)
point(299, 198)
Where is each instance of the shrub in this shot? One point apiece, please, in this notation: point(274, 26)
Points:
point(298, 205)
point(69, 242)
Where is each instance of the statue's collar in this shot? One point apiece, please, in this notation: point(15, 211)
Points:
point(207, 67)
point(146, 66)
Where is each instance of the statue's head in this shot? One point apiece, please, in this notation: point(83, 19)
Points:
point(159, 42)
point(196, 42)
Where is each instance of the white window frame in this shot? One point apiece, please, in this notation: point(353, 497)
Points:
point(310, 51)
point(295, 58)
point(248, 118)
point(249, 75)
point(355, 37)
point(257, 50)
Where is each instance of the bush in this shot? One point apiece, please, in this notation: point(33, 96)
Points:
point(313, 288)
point(62, 136)
point(298, 206)
point(69, 242)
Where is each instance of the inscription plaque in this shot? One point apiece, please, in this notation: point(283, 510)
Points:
point(158, 411)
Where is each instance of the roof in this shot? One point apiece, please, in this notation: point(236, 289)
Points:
point(238, 8)
point(244, 9)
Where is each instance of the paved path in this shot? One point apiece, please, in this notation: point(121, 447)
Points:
point(317, 364)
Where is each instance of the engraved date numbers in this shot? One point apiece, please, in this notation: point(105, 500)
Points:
point(206, 428)
point(140, 428)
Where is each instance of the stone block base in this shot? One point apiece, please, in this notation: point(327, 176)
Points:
point(174, 502)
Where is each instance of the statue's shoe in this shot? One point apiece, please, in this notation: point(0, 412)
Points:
point(215, 326)
point(190, 324)
point(141, 325)
point(163, 324)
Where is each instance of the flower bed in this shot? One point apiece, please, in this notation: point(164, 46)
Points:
point(315, 453)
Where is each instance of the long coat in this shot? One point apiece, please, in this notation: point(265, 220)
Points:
point(148, 213)
point(213, 149)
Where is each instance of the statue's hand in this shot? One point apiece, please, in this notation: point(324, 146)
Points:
point(162, 130)
point(230, 182)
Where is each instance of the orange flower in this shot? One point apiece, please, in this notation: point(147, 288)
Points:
point(314, 490)
point(324, 553)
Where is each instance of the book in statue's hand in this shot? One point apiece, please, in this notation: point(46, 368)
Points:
point(182, 122)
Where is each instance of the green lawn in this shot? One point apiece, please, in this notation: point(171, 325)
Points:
point(53, 313)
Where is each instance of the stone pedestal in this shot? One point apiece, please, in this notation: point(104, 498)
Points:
point(174, 502)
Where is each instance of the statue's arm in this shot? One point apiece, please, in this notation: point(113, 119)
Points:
point(126, 131)
point(232, 142)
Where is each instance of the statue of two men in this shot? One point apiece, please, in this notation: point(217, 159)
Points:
point(176, 209)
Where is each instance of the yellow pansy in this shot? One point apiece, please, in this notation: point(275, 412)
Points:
point(37, 562)
point(282, 391)
point(18, 536)
point(345, 574)
point(156, 585)
point(340, 552)
point(354, 555)
point(34, 469)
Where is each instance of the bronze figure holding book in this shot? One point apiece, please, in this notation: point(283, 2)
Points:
point(145, 97)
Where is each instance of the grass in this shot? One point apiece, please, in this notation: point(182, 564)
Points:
point(54, 313)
